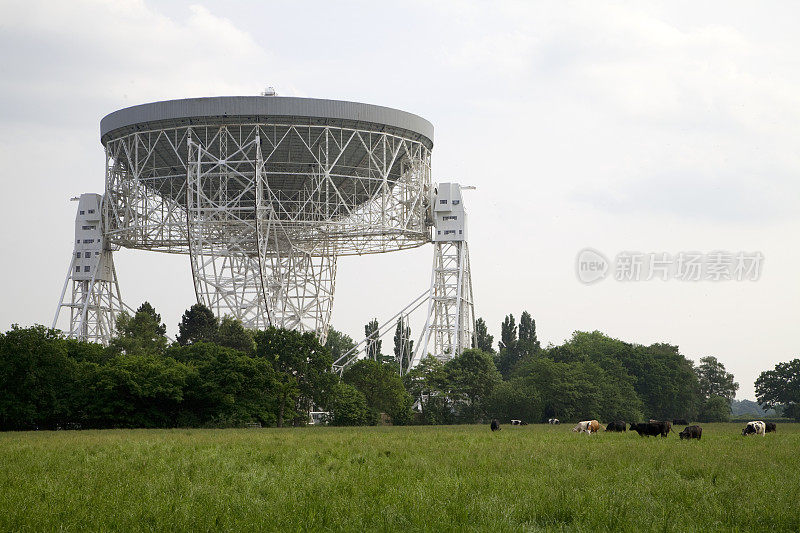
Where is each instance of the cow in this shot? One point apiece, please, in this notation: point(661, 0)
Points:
point(652, 428)
point(516, 422)
point(680, 422)
point(691, 432)
point(495, 425)
point(553, 421)
point(587, 426)
point(756, 427)
point(769, 427)
point(617, 425)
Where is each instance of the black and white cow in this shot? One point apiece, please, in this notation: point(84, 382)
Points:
point(515, 422)
point(756, 427)
point(553, 421)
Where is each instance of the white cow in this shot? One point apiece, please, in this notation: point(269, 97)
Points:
point(756, 427)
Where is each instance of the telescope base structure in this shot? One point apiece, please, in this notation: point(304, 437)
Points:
point(94, 307)
point(450, 326)
point(293, 291)
point(94, 300)
point(243, 259)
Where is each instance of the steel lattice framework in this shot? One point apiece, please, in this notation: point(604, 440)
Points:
point(264, 204)
point(451, 312)
point(263, 194)
point(93, 305)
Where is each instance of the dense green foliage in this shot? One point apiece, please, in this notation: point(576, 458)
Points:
point(219, 374)
point(338, 343)
point(717, 390)
point(456, 478)
point(50, 382)
point(382, 389)
point(780, 387)
point(483, 341)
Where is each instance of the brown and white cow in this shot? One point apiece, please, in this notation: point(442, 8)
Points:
point(587, 426)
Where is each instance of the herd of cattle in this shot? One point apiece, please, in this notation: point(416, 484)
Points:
point(652, 428)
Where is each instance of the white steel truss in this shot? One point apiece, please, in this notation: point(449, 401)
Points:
point(93, 308)
point(263, 210)
point(450, 325)
point(94, 300)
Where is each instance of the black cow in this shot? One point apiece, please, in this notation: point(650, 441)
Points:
point(617, 425)
point(680, 422)
point(652, 429)
point(770, 427)
point(495, 425)
point(691, 432)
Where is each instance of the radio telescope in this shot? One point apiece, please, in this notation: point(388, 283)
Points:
point(263, 193)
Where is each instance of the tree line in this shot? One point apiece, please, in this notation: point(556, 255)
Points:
point(219, 374)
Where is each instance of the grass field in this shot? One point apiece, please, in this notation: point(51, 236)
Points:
point(405, 478)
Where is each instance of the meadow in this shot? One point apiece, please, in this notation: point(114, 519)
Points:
point(433, 478)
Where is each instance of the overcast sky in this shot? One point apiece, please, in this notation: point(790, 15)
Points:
point(667, 127)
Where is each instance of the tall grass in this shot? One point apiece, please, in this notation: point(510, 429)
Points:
point(410, 478)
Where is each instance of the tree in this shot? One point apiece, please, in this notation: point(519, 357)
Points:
point(508, 333)
point(140, 334)
point(374, 342)
point(403, 345)
point(226, 388)
point(348, 407)
point(428, 383)
point(338, 343)
point(717, 389)
point(714, 380)
point(715, 409)
point(483, 341)
point(781, 387)
point(382, 388)
point(302, 371)
point(515, 399)
point(528, 344)
point(134, 391)
point(36, 379)
point(197, 324)
point(508, 357)
point(232, 334)
point(472, 377)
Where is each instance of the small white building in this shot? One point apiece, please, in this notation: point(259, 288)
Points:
point(450, 219)
point(90, 262)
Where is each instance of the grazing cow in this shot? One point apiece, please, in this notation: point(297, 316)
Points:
point(617, 425)
point(756, 427)
point(680, 422)
point(516, 422)
point(769, 427)
point(553, 421)
point(495, 425)
point(652, 428)
point(691, 432)
point(587, 426)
